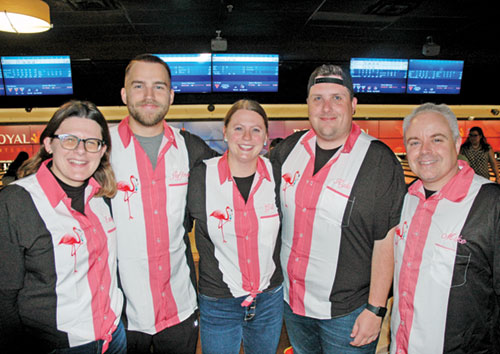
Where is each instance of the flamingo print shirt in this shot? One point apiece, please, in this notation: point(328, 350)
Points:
point(62, 264)
point(154, 256)
point(237, 241)
point(332, 218)
point(447, 269)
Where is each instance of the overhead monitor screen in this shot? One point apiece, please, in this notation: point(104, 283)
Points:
point(374, 75)
point(245, 72)
point(431, 76)
point(40, 75)
point(2, 87)
point(191, 73)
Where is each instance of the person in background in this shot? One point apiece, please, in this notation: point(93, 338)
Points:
point(479, 153)
point(234, 202)
point(341, 195)
point(463, 158)
point(151, 161)
point(447, 254)
point(11, 174)
point(275, 142)
point(58, 278)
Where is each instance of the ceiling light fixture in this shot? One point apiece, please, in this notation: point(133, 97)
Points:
point(24, 16)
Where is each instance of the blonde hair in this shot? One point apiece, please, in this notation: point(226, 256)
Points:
point(249, 105)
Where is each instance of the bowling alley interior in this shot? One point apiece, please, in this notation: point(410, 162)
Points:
point(399, 53)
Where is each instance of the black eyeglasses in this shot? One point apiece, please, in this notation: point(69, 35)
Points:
point(473, 135)
point(71, 142)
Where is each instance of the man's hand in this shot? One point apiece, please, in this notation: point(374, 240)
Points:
point(366, 328)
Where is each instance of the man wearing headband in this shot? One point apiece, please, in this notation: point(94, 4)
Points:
point(341, 194)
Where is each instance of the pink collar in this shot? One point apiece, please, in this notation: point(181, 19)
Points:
point(225, 172)
point(51, 188)
point(348, 145)
point(455, 190)
point(126, 133)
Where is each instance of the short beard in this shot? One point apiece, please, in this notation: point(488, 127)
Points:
point(148, 121)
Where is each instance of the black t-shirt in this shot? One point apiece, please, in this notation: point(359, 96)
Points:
point(373, 208)
point(244, 185)
point(322, 157)
point(76, 194)
point(428, 193)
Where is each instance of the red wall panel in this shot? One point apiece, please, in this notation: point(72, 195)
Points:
point(368, 126)
point(14, 138)
point(390, 129)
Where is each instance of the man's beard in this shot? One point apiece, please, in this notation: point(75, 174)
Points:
point(150, 119)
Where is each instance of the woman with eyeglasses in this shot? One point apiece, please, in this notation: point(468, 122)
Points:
point(58, 280)
point(480, 154)
point(234, 203)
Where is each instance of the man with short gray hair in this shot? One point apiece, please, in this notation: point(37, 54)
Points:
point(447, 252)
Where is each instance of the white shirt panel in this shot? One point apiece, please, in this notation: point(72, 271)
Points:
point(332, 203)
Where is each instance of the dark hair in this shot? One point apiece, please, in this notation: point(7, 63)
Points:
point(275, 142)
point(250, 105)
point(482, 142)
point(18, 161)
point(331, 70)
point(148, 58)
point(82, 109)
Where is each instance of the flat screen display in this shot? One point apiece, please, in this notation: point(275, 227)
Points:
point(431, 76)
point(191, 73)
point(2, 87)
point(37, 75)
point(374, 75)
point(245, 72)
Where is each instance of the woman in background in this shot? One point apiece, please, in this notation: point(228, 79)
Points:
point(234, 202)
point(479, 153)
point(58, 282)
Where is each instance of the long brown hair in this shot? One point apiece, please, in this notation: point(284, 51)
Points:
point(83, 109)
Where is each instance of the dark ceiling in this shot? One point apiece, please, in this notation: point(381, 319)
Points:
point(102, 35)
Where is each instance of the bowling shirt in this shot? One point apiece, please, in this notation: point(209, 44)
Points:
point(331, 219)
point(237, 241)
point(155, 262)
point(58, 265)
point(447, 268)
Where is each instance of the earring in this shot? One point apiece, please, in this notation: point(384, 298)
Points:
point(225, 140)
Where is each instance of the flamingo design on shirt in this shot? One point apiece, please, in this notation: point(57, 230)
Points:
point(75, 241)
point(129, 191)
point(289, 182)
point(401, 232)
point(223, 219)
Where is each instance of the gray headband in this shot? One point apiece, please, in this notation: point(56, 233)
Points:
point(329, 80)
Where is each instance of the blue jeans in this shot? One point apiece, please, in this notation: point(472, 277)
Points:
point(118, 345)
point(310, 335)
point(224, 323)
